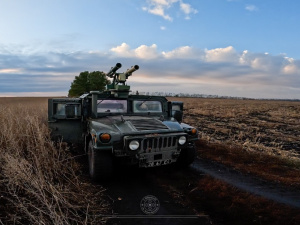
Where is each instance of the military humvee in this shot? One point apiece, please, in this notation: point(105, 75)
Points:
point(114, 126)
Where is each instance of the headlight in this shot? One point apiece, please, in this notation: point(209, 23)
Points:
point(182, 140)
point(134, 145)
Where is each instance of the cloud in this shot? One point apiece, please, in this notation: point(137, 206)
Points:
point(186, 69)
point(290, 69)
point(33, 94)
point(251, 8)
point(186, 52)
point(151, 52)
point(160, 8)
point(10, 70)
point(270, 64)
point(142, 52)
point(291, 66)
point(146, 52)
point(221, 54)
point(187, 9)
point(122, 50)
point(222, 67)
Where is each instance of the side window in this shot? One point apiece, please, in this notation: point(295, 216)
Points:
point(60, 109)
point(176, 108)
point(72, 111)
point(67, 111)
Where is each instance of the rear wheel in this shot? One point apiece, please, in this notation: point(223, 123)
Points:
point(100, 163)
point(187, 156)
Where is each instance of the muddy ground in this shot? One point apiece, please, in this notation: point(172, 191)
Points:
point(204, 193)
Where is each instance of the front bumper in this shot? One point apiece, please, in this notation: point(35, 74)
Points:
point(155, 149)
point(157, 159)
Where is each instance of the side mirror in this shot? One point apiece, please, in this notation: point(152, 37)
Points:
point(177, 110)
point(178, 115)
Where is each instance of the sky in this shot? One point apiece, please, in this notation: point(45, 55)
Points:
point(240, 48)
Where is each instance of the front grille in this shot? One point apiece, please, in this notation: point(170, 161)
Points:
point(148, 124)
point(157, 144)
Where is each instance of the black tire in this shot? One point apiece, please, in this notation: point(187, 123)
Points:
point(100, 163)
point(187, 156)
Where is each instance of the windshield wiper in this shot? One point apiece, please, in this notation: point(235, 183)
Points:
point(103, 99)
point(145, 100)
point(122, 119)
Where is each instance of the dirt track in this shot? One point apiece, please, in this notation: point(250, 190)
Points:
point(175, 190)
point(254, 185)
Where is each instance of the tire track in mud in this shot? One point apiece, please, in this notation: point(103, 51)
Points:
point(269, 190)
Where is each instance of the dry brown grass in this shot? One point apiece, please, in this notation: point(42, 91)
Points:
point(39, 180)
point(272, 127)
point(258, 137)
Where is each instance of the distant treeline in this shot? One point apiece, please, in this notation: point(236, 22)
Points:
point(187, 95)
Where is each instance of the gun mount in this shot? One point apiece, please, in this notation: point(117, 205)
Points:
point(118, 86)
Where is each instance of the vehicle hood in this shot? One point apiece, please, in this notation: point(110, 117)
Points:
point(135, 124)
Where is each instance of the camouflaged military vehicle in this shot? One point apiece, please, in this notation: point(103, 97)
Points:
point(116, 127)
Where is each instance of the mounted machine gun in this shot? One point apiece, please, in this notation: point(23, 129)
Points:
point(118, 86)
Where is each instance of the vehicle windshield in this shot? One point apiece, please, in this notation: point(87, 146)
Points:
point(112, 106)
point(147, 106)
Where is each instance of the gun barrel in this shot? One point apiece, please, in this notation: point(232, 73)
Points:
point(113, 70)
point(131, 70)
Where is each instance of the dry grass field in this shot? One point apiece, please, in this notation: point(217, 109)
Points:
point(39, 182)
point(258, 137)
point(272, 127)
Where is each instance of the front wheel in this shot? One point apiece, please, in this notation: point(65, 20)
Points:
point(187, 156)
point(100, 163)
